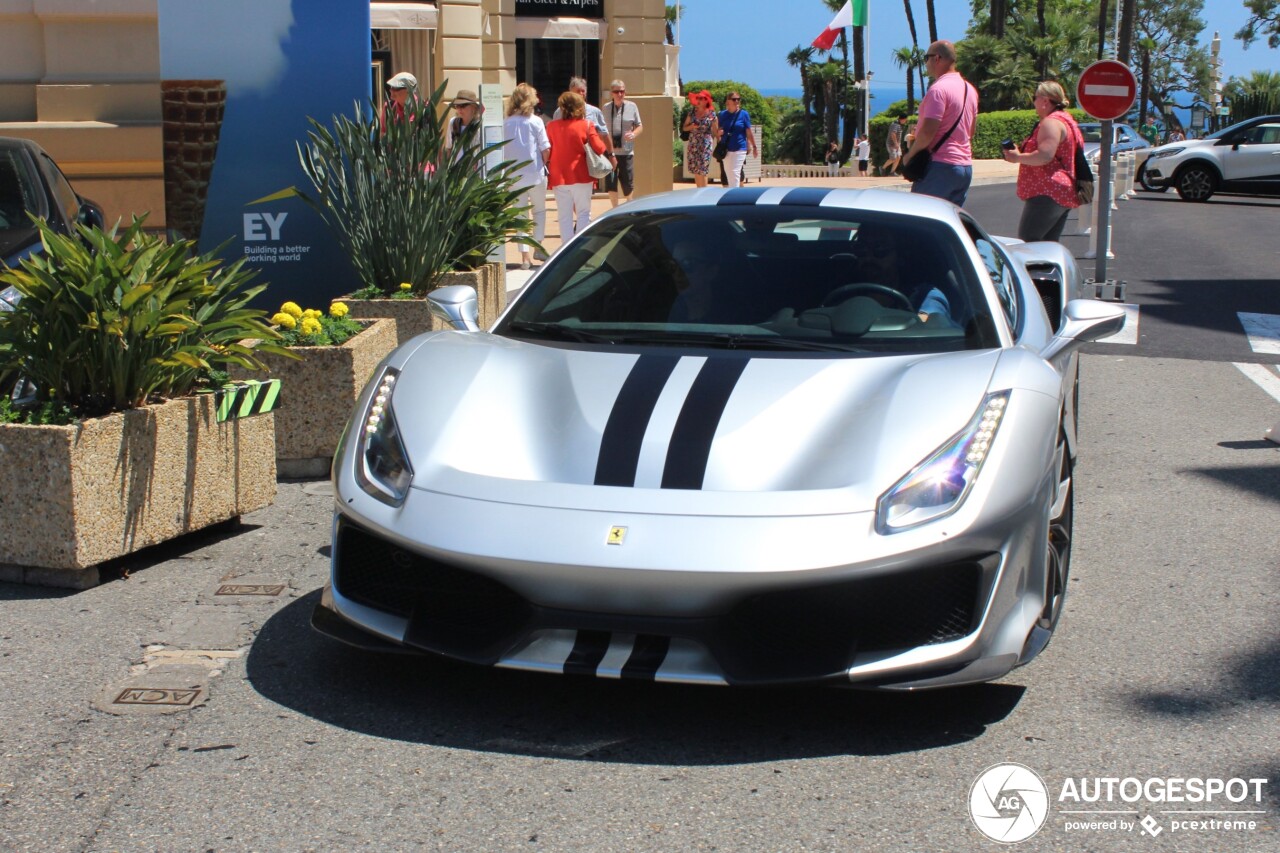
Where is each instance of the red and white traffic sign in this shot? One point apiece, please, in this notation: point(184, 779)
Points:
point(1106, 89)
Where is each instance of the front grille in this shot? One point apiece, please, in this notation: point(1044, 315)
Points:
point(472, 615)
point(825, 625)
point(794, 634)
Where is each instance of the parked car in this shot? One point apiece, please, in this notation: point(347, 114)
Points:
point(1124, 138)
point(30, 182)
point(747, 436)
point(1243, 158)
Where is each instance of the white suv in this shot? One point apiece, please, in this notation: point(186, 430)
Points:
point(1243, 158)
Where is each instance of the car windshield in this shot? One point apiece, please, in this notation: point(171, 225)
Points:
point(1091, 132)
point(17, 195)
point(1229, 131)
point(767, 278)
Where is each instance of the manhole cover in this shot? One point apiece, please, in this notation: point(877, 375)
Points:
point(250, 589)
point(156, 696)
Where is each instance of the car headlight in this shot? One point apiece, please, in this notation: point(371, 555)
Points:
point(1166, 152)
point(9, 297)
point(938, 486)
point(382, 466)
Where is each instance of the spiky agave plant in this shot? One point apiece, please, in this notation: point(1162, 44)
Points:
point(405, 207)
point(112, 320)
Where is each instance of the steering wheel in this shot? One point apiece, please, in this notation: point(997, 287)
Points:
point(845, 292)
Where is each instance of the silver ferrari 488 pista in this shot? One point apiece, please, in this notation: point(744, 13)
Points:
point(748, 436)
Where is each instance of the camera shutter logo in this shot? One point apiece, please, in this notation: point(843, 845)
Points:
point(1008, 803)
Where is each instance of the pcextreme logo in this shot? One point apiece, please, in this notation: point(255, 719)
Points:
point(1010, 802)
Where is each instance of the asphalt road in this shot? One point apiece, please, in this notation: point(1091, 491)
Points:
point(1166, 664)
point(1191, 268)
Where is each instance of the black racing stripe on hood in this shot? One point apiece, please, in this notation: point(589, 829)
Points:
point(696, 425)
point(647, 656)
point(589, 649)
point(624, 433)
point(739, 195)
point(809, 196)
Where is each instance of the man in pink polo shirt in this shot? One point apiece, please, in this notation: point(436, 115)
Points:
point(950, 98)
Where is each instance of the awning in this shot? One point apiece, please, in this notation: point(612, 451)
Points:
point(403, 16)
point(558, 28)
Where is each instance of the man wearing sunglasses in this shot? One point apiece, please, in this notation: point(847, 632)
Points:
point(623, 118)
point(948, 113)
point(735, 128)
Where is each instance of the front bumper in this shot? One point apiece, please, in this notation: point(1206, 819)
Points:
point(951, 612)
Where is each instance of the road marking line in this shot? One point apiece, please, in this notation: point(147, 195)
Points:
point(1266, 379)
point(1128, 334)
point(1263, 331)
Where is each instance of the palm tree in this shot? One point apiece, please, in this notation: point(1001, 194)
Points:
point(828, 82)
point(911, 22)
point(1128, 15)
point(802, 58)
point(909, 58)
point(1102, 27)
point(674, 12)
point(999, 14)
point(933, 21)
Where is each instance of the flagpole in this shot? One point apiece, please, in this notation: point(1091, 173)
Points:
point(866, 51)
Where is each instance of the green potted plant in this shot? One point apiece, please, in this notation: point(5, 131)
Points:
point(407, 209)
point(336, 355)
point(107, 447)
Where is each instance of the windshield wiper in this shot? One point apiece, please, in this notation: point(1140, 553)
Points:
point(731, 340)
point(557, 331)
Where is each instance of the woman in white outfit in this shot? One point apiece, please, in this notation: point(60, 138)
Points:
point(526, 137)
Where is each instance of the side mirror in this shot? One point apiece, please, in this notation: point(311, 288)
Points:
point(90, 215)
point(456, 305)
point(1087, 320)
point(1124, 139)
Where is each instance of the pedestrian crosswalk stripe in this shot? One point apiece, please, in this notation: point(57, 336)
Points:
point(1264, 376)
point(1263, 331)
point(1128, 334)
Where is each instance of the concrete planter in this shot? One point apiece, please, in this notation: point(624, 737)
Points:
point(76, 496)
point(318, 394)
point(413, 317)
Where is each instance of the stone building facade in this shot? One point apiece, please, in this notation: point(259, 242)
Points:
point(83, 78)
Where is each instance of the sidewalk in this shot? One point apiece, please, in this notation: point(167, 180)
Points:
point(984, 172)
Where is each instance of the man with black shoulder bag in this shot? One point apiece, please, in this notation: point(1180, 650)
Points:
point(623, 120)
point(940, 161)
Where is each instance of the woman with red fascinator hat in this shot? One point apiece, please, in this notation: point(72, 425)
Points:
point(704, 129)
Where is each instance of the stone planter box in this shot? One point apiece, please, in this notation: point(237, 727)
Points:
point(318, 394)
point(413, 317)
point(76, 496)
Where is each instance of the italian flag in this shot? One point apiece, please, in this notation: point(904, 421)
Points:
point(852, 14)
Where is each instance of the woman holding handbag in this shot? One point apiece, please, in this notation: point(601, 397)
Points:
point(567, 172)
point(1046, 166)
point(704, 130)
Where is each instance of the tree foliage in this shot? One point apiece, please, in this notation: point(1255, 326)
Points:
point(1264, 21)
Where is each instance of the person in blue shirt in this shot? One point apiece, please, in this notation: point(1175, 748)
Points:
point(735, 127)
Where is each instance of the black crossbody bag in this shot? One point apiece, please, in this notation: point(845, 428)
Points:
point(918, 166)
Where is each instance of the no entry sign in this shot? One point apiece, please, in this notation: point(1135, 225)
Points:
point(1106, 89)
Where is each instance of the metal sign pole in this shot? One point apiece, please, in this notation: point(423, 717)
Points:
point(1102, 198)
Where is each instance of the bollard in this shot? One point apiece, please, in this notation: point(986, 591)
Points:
point(1085, 216)
point(1273, 434)
point(1124, 175)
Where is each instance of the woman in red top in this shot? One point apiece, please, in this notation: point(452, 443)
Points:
point(567, 173)
point(1047, 174)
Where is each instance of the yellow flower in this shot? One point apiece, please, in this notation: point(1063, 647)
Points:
point(292, 309)
point(406, 286)
point(310, 326)
point(313, 313)
point(285, 321)
point(339, 310)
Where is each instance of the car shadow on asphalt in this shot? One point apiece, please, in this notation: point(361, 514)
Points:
point(1260, 480)
point(428, 700)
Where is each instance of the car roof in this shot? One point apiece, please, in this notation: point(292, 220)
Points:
point(811, 199)
point(11, 142)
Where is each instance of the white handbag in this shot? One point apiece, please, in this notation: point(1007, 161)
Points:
point(598, 165)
